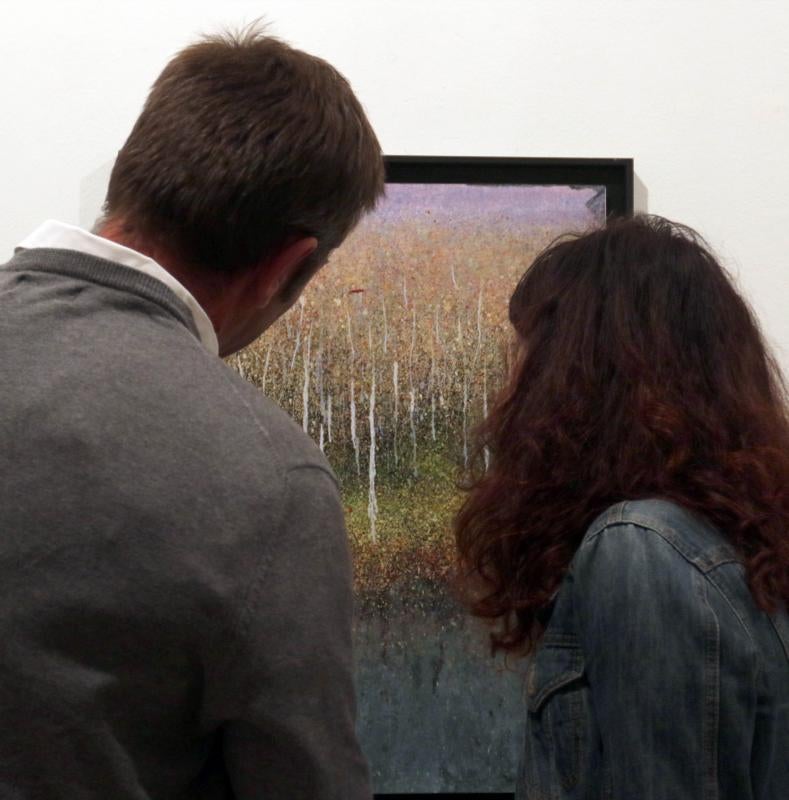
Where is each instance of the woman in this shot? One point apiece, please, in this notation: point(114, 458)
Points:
point(632, 532)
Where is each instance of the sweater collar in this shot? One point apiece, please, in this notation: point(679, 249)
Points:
point(61, 236)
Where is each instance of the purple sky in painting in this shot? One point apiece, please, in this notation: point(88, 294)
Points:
point(507, 205)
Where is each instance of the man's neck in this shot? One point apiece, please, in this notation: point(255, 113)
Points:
point(208, 289)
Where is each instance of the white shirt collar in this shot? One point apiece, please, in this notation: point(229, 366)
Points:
point(69, 237)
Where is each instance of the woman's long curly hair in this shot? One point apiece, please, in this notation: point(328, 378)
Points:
point(641, 373)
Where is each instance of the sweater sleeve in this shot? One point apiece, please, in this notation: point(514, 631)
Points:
point(291, 730)
point(660, 670)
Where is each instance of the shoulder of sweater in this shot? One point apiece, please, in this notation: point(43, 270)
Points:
point(261, 414)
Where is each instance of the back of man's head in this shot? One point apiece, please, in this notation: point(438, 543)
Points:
point(243, 142)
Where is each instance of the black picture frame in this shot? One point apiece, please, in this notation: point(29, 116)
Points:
point(454, 796)
point(615, 174)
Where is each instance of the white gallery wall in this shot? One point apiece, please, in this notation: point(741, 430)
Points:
point(696, 92)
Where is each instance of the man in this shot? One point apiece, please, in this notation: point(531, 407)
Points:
point(175, 608)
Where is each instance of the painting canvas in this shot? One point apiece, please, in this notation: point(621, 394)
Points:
point(392, 355)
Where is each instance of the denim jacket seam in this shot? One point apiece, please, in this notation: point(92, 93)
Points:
point(712, 667)
point(620, 515)
point(668, 533)
point(643, 526)
point(711, 718)
point(705, 574)
point(613, 517)
point(746, 628)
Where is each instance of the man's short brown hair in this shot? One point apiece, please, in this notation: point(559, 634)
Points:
point(244, 141)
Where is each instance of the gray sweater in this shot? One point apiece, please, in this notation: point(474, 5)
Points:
point(175, 586)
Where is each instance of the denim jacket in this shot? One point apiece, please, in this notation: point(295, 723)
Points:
point(658, 678)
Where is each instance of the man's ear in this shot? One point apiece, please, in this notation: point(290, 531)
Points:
point(278, 270)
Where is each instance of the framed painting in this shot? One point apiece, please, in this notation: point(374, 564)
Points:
point(393, 354)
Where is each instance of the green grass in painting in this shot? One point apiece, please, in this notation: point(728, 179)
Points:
point(414, 545)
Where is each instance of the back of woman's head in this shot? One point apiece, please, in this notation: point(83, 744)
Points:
point(641, 373)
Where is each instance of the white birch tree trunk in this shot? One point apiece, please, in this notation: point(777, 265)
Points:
point(412, 412)
point(319, 377)
point(240, 367)
point(386, 327)
point(396, 389)
point(298, 334)
point(350, 335)
point(412, 390)
point(433, 416)
point(305, 393)
point(485, 408)
point(465, 417)
point(354, 437)
point(439, 344)
point(432, 386)
point(479, 326)
point(372, 502)
point(265, 368)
